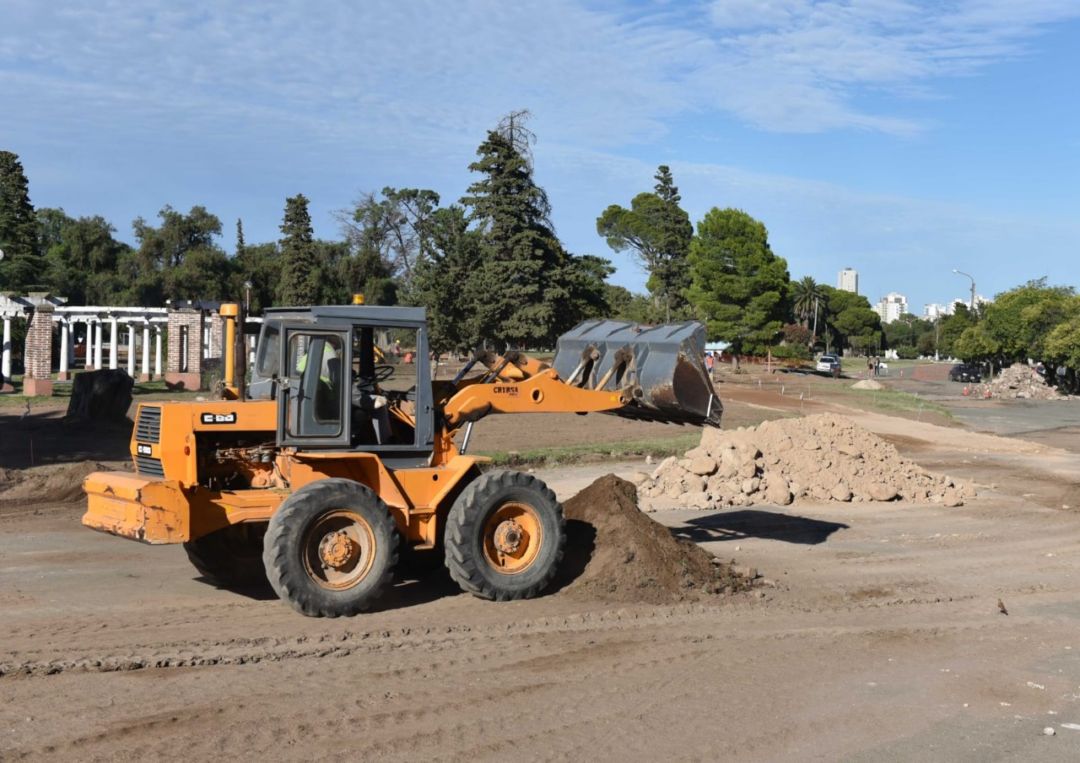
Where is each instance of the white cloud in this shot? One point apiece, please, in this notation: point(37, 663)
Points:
point(802, 65)
point(608, 76)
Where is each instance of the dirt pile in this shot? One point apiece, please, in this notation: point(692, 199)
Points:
point(1021, 382)
point(55, 483)
point(817, 458)
point(868, 384)
point(614, 552)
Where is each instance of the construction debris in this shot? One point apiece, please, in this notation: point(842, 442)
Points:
point(614, 552)
point(818, 458)
point(1021, 382)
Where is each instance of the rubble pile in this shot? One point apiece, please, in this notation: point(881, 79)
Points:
point(817, 458)
point(1021, 382)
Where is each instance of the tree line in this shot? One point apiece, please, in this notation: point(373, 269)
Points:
point(488, 267)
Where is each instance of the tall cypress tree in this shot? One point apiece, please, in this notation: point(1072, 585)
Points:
point(523, 275)
point(300, 264)
point(23, 263)
point(239, 238)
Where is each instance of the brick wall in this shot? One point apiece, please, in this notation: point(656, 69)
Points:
point(39, 343)
point(192, 320)
point(217, 335)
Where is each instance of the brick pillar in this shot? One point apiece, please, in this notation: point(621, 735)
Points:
point(217, 336)
point(184, 368)
point(38, 355)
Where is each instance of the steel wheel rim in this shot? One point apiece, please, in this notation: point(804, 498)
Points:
point(513, 536)
point(339, 549)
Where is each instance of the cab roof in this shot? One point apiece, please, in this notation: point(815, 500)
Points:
point(372, 315)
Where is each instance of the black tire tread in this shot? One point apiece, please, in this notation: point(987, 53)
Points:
point(287, 577)
point(461, 525)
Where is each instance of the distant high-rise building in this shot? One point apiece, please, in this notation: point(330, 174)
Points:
point(891, 307)
point(848, 280)
point(933, 311)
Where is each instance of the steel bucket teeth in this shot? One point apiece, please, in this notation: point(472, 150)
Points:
point(660, 369)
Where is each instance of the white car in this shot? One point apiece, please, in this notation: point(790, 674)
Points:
point(828, 364)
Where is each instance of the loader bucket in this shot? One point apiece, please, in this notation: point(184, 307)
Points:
point(662, 368)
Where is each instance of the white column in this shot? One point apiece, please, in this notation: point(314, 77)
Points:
point(157, 351)
point(5, 364)
point(114, 342)
point(65, 337)
point(131, 351)
point(99, 338)
point(146, 351)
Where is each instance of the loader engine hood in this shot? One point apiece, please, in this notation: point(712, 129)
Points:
point(662, 368)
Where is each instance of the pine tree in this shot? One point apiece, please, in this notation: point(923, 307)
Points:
point(739, 285)
point(23, 264)
point(523, 275)
point(658, 231)
point(299, 283)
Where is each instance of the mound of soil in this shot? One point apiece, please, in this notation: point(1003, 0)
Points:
point(818, 458)
point(55, 483)
point(614, 552)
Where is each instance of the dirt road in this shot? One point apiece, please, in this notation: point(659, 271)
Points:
point(874, 634)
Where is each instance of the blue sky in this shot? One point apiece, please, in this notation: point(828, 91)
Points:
point(899, 138)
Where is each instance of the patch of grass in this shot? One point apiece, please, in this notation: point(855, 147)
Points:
point(659, 447)
point(891, 401)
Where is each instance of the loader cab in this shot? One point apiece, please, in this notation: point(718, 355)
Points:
point(353, 378)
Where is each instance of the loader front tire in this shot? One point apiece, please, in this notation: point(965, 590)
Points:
point(331, 548)
point(230, 557)
point(504, 536)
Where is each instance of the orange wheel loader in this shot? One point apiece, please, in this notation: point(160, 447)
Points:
point(332, 461)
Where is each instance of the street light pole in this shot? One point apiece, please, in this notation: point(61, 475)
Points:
point(962, 273)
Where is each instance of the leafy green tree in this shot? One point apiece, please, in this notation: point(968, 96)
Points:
point(259, 265)
point(160, 268)
point(397, 226)
point(976, 344)
point(853, 322)
point(658, 232)
point(1020, 319)
point(1062, 346)
point(624, 305)
point(905, 331)
point(738, 285)
point(951, 327)
point(300, 274)
point(22, 267)
point(82, 258)
point(526, 279)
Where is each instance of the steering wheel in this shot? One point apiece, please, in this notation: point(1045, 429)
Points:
point(383, 372)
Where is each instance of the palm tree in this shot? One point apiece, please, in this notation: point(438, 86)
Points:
point(806, 294)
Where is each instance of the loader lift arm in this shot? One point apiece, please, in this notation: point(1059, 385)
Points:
point(607, 366)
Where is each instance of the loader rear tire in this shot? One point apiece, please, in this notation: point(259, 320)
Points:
point(331, 548)
point(505, 536)
point(231, 556)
